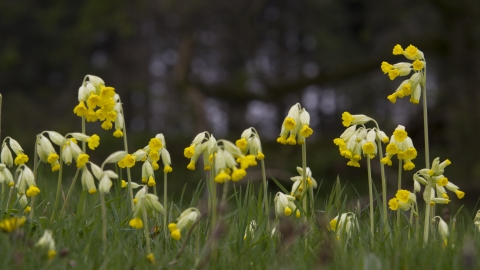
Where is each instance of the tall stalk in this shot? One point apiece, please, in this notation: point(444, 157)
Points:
point(165, 204)
point(129, 177)
point(399, 187)
point(265, 194)
point(304, 174)
point(70, 190)
point(370, 192)
point(35, 166)
point(104, 221)
point(59, 188)
point(384, 183)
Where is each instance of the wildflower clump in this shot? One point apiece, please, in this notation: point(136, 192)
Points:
point(403, 200)
point(410, 87)
point(10, 224)
point(249, 142)
point(343, 225)
point(145, 202)
point(285, 205)
point(297, 188)
point(47, 242)
point(6, 154)
point(296, 126)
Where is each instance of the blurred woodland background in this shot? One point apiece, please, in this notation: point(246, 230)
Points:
point(182, 67)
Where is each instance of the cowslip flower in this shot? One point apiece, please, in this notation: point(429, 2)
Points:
point(120, 120)
point(296, 123)
point(285, 205)
point(250, 230)
point(436, 183)
point(355, 142)
point(402, 146)
point(6, 155)
point(92, 94)
point(403, 200)
point(46, 241)
point(70, 149)
point(25, 179)
point(476, 220)
point(230, 163)
point(47, 153)
point(22, 200)
point(199, 145)
point(343, 225)
point(144, 202)
point(11, 224)
point(410, 86)
point(250, 142)
point(157, 150)
point(184, 221)
point(6, 176)
point(443, 230)
point(297, 188)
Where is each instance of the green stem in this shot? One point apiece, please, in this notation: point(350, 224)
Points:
point(427, 221)
point(84, 148)
point(59, 188)
point(35, 167)
point(370, 192)
point(304, 168)
point(3, 200)
point(70, 190)
point(399, 187)
point(129, 177)
point(197, 244)
point(104, 221)
point(265, 195)
point(214, 194)
point(165, 216)
point(145, 229)
point(384, 183)
point(425, 119)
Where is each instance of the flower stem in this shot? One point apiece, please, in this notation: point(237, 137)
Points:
point(265, 195)
point(370, 192)
point(59, 188)
point(399, 187)
point(104, 221)
point(425, 119)
point(70, 190)
point(145, 229)
point(304, 168)
point(165, 216)
point(384, 183)
point(129, 177)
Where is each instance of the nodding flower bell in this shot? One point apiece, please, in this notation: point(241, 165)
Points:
point(25, 179)
point(443, 230)
point(296, 123)
point(202, 143)
point(6, 154)
point(47, 153)
point(343, 225)
point(184, 221)
point(412, 86)
point(144, 202)
point(250, 230)
point(284, 204)
point(250, 142)
point(297, 188)
point(46, 241)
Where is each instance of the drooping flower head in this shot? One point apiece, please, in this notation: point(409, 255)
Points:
point(297, 188)
point(435, 183)
point(6, 155)
point(47, 242)
point(410, 87)
point(250, 143)
point(284, 204)
point(99, 102)
point(402, 146)
point(343, 225)
point(184, 221)
point(26, 178)
point(403, 200)
point(357, 140)
point(296, 123)
point(144, 202)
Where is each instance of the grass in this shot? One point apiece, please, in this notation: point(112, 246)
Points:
point(296, 244)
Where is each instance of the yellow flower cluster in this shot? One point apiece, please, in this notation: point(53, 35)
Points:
point(413, 85)
point(402, 146)
point(94, 94)
point(250, 142)
point(185, 220)
point(296, 123)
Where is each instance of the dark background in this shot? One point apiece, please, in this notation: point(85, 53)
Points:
point(182, 67)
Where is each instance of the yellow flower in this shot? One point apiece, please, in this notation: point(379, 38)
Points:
point(289, 123)
point(403, 195)
point(238, 174)
point(306, 131)
point(118, 133)
point(417, 65)
point(82, 160)
point(222, 177)
point(400, 134)
point(32, 191)
point(124, 184)
point(151, 181)
point(80, 109)
point(94, 101)
point(21, 159)
point(107, 125)
point(411, 51)
point(128, 161)
point(52, 158)
point(93, 141)
point(151, 258)
point(393, 204)
point(136, 223)
point(460, 194)
point(155, 144)
point(241, 143)
point(167, 169)
point(189, 151)
point(11, 224)
point(386, 67)
point(397, 50)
